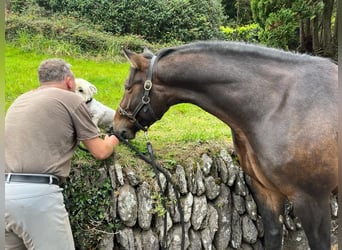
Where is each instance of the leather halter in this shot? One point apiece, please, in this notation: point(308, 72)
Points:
point(145, 104)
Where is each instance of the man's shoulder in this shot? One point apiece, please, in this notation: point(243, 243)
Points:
point(62, 94)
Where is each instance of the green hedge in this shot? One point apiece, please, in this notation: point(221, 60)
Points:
point(159, 21)
point(281, 30)
point(247, 33)
point(69, 35)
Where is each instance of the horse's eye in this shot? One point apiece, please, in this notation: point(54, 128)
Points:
point(80, 90)
point(128, 88)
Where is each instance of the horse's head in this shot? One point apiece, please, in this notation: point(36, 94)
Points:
point(140, 106)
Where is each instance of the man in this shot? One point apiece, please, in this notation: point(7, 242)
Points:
point(42, 130)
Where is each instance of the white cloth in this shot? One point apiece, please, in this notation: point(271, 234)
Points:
point(36, 218)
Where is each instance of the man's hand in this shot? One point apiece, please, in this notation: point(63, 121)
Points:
point(112, 140)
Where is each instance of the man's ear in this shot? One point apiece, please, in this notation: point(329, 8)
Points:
point(70, 83)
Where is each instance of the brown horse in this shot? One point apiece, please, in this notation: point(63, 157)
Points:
point(280, 106)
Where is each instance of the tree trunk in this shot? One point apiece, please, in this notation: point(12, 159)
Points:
point(301, 47)
point(305, 37)
point(335, 34)
point(326, 27)
point(315, 40)
point(308, 36)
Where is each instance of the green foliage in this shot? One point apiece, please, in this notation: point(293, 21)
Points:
point(280, 21)
point(261, 9)
point(67, 36)
point(192, 20)
point(307, 8)
point(158, 207)
point(243, 12)
point(280, 30)
point(88, 198)
point(247, 33)
point(155, 21)
point(229, 9)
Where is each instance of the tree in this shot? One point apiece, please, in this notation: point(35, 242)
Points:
point(314, 19)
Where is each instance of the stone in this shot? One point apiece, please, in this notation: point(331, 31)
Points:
point(223, 206)
point(206, 239)
point(206, 164)
point(260, 226)
point(195, 240)
point(125, 238)
point(249, 230)
point(199, 182)
point(132, 178)
point(160, 225)
point(236, 238)
point(144, 206)
point(223, 171)
point(191, 181)
point(107, 242)
point(187, 206)
point(112, 176)
point(119, 174)
point(199, 211)
point(240, 184)
point(334, 205)
point(149, 240)
point(239, 203)
point(176, 237)
point(225, 156)
point(233, 171)
point(212, 221)
point(181, 179)
point(212, 190)
point(128, 205)
point(251, 207)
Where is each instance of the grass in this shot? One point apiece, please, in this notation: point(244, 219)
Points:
point(185, 127)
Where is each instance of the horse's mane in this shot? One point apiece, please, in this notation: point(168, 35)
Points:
point(237, 47)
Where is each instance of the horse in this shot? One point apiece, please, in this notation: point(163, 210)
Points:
point(280, 106)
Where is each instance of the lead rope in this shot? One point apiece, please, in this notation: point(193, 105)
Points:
point(157, 169)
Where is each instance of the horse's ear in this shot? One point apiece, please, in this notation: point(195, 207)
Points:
point(148, 53)
point(132, 58)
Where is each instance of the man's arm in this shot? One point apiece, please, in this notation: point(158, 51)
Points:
point(101, 148)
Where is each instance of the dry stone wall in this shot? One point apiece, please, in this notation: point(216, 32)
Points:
point(218, 207)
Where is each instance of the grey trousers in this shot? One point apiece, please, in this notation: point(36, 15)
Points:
point(35, 218)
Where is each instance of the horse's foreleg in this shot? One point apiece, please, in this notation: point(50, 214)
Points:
point(314, 213)
point(270, 206)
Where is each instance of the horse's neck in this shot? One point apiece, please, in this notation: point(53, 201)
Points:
point(229, 90)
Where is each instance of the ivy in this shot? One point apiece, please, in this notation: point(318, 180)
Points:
point(88, 199)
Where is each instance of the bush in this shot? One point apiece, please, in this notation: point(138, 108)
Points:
point(156, 21)
point(192, 20)
point(280, 30)
point(68, 36)
point(247, 33)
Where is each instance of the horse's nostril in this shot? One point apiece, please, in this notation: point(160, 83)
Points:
point(123, 134)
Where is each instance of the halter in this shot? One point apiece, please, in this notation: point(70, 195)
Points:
point(145, 104)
